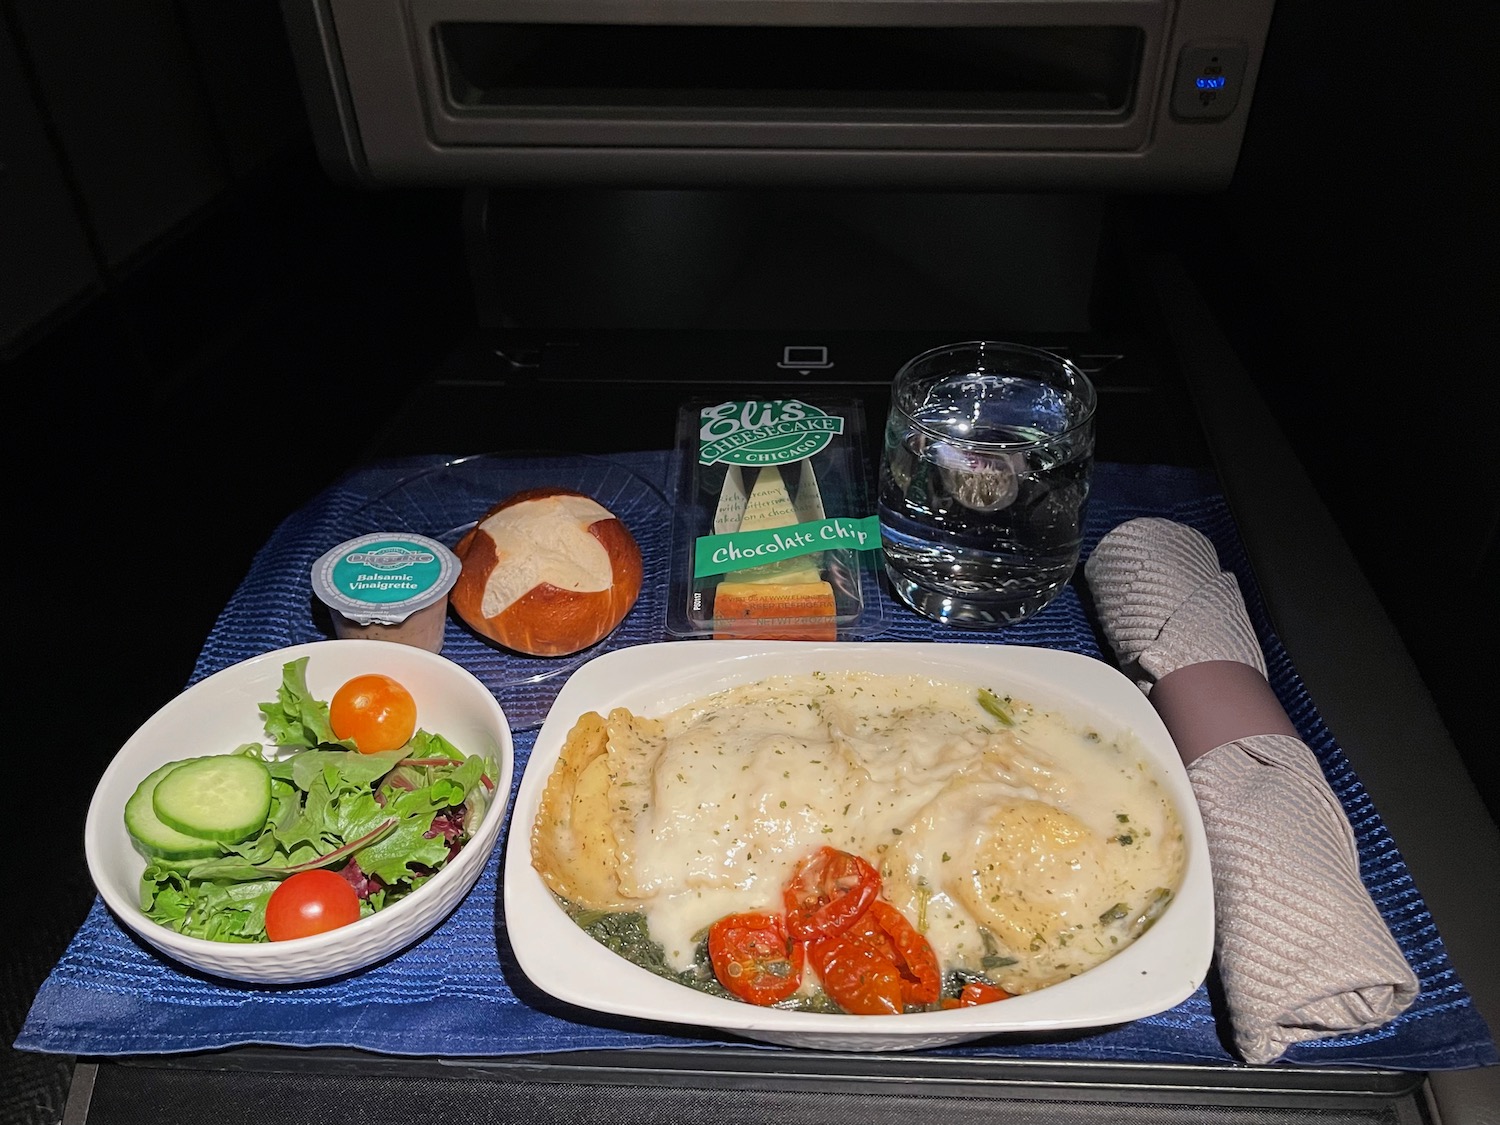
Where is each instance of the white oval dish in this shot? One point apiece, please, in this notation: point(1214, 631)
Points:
point(219, 713)
point(1161, 969)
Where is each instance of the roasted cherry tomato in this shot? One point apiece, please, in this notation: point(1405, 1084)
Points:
point(921, 978)
point(310, 902)
point(857, 976)
point(753, 957)
point(826, 892)
point(896, 966)
point(974, 993)
point(377, 712)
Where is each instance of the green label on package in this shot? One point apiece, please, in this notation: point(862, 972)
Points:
point(740, 550)
point(764, 433)
point(385, 572)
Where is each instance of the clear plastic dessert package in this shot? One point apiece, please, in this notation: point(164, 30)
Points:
point(774, 533)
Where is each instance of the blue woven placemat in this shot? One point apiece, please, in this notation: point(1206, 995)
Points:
point(459, 992)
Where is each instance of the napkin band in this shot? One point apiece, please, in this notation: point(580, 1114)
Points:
point(1211, 702)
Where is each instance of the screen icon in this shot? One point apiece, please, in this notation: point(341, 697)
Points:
point(804, 358)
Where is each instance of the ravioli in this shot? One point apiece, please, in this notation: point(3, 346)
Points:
point(1035, 872)
point(573, 844)
point(634, 748)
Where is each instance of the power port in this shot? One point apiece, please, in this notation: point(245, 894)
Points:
point(1207, 87)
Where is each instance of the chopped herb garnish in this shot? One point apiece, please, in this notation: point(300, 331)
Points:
point(996, 706)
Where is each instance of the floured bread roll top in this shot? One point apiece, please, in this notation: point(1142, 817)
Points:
point(547, 572)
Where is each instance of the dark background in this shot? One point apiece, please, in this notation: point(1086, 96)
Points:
point(202, 330)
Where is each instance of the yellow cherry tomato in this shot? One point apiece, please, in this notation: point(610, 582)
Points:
point(374, 710)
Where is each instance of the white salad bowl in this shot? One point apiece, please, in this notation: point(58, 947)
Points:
point(1156, 972)
point(221, 713)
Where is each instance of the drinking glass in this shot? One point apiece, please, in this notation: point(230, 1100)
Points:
point(984, 481)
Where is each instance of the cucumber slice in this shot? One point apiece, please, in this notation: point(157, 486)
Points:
point(221, 797)
point(155, 838)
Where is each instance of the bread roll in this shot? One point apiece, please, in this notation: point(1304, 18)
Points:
point(547, 572)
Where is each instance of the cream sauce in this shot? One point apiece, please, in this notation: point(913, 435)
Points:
point(1039, 844)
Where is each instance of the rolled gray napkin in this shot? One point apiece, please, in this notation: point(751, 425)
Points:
point(1303, 952)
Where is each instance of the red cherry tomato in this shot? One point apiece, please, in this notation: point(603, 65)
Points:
point(921, 978)
point(753, 957)
point(880, 965)
point(377, 712)
point(974, 993)
point(310, 902)
point(826, 892)
point(857, 977)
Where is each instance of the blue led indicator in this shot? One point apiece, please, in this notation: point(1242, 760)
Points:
point(1211, 83)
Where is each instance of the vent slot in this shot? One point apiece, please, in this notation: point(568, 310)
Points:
point(802, 73)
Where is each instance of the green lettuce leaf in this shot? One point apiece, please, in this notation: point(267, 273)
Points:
point(296, 718)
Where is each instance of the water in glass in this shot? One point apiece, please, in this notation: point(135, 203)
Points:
point(982, 496)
